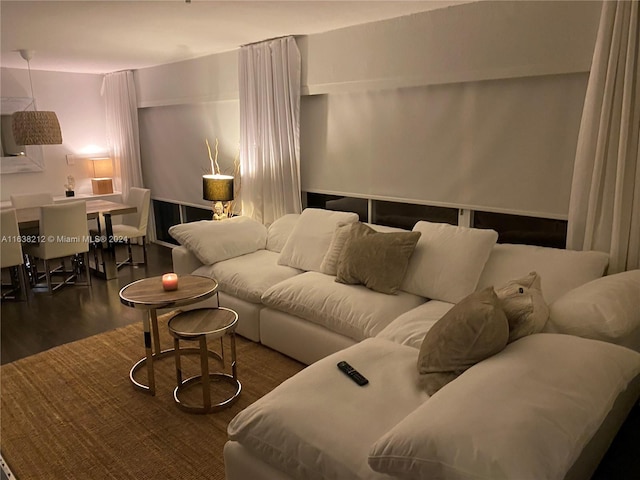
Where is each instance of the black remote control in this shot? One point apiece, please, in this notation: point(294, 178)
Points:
point(352, 373)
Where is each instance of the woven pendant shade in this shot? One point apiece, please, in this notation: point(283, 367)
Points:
point(36, 128)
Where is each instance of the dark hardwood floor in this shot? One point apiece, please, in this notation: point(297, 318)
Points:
point(74, 313)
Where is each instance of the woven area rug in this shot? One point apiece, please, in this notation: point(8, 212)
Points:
point(71, 412)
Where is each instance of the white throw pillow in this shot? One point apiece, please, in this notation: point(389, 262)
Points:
point(278, 232)
point(561, 270)
point(212, 241)
point(524, 413)
point(310, 239)
point(605, 309)
point(447, 261)
point(524, 306)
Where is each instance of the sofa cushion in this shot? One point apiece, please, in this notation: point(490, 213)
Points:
point(350, 310)
point(561, 270)
point(524, 306)
point(248, 276)
point(329, 265)
point(524, 413)
point(607, 309)
point(310, 239)
point(278, 232)
point(447, 261)
point(386, 228)
point(474, 329)
point(411, 327)
point(213, 241)
point(375, 259)
point(330, 261)
point(305, 426)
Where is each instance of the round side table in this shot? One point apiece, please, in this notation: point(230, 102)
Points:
point(147, 294)
point(199, 325)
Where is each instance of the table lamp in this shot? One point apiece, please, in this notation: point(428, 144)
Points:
point(101, 182)
point(218, 189)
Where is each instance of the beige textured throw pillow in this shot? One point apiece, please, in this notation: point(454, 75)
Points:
point(329, 265)
point(377, 260)
point(474, 329)
point(524, 305)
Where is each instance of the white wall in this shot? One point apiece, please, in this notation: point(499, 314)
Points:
point(470, 42)
point(207, 79)
point(473, 47)
point(80, 109)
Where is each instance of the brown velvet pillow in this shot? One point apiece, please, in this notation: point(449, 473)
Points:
point(474, 329)
point(376, 260)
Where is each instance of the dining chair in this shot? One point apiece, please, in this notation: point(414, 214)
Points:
point(11, 256)
point(64, 234)
point(24, 200)
point(134, 225)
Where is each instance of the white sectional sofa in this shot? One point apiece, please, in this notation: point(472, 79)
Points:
point(545, 406)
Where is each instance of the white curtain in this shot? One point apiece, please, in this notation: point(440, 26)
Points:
point(604, 210)
point(269, 78)
point(123, 135)
point(119, 92)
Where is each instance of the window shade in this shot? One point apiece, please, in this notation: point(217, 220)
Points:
point(503, 145)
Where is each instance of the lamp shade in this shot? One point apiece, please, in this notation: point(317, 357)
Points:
point(217, 188)
point(36, 128)
point(102, 167)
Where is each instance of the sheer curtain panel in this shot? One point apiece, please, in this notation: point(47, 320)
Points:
point(604, 210)
point(119, 92)
point(269, 78)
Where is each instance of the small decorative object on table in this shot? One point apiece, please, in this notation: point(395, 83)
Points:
point(70, 186)
point(169, 282)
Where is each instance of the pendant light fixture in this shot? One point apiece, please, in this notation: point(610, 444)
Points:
point(33, 127)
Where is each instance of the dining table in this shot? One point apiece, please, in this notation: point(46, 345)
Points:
point(29, 218)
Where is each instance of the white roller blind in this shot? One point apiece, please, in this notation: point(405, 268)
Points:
point(173, 150)
point(505, 145)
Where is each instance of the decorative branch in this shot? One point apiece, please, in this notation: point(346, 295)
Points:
point(215, 168)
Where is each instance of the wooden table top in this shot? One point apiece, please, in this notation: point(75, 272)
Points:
point(213, 322)
point(30, 217)
point(148, 292)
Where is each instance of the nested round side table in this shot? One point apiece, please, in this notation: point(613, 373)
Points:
point(147, 294)
point(199, 325)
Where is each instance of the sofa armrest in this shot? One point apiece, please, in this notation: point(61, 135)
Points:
point(184, 262)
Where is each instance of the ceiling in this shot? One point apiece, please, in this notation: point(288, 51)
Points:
point(93, 36)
